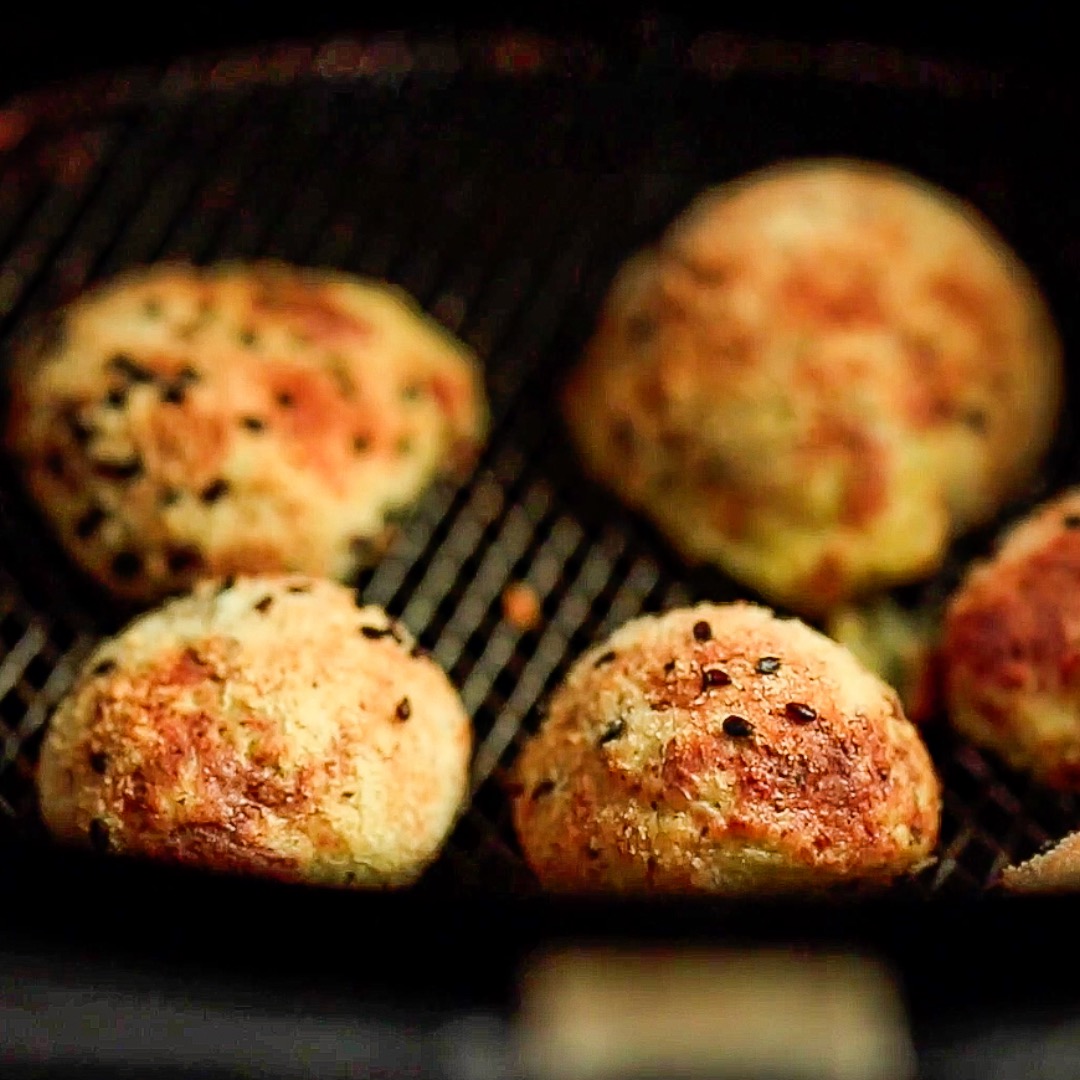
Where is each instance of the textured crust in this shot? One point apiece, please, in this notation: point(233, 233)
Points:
point(819, 375)
point(267, 726)
point(1012, 647)
point(1056, 870)
point(640, 779)
point(180, 422)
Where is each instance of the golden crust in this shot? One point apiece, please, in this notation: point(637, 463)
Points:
point(1056, 870)
point(180, 422)
point(819, 375)
point(788, 766)
point(268, 726)
point(1011, 649)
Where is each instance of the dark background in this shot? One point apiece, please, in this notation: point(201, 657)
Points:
point(41, 43)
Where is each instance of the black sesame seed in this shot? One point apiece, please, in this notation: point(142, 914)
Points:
point(403, 710)
point(375, 632)
point(669, 667)
point(404, 445)
point(800, 713)
point(612, 732)
point(411, 392)
point(639, 327)
point(711, 678)
point(975, 419)
point(99, 835)
point(1072, 521)
point(188, 375)
point(702, 631)
point(152, 309)
point(173, 395)
point(99, 762)
point(54, 463)
point(89, 523)
point(214, 491)
point(606, 658)
point(226, 584)
point(252, 423)
point(738, 727)
point(768, 665)
point(264, 604)
point(361, 443)
point(247, 337)
point(126, 565)
point(299, 588)
point(285, 399)
point(116, 398)
point(622, 434)
point(103, 667)
point(120, 471)
point(130, 369)
point(545, 787)
point(418, 652)
point(592, 853)
point(182, 560)
point(169, 496)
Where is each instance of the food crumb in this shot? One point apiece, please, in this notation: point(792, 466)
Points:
point(521, 606)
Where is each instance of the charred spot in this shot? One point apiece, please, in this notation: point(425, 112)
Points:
point(738, 727)
point(702, 631)
point(800, 712)
point(99, 762)
point(545, 787)
point(639, 328)
point(89, 523)
point(604, 658)
point(103, 667)
point(767, 665)
point(213, 491)
point(99, 835)
point(54, 463)
point(975, 419)
point(130, 369)
point(403, 710)
point(127, 565)
point(119, 471)
point(712, 678)
point(264, 605)
point(361, 444)
point(669, 667)
point(184, 559)
point(285, 399)
point(116, 398)
point(252, 423)
point(81, 432)
point(247, 337)
point(613, 732)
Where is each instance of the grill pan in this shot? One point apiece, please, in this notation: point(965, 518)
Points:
point(501, 180)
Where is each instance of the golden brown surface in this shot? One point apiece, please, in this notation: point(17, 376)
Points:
point(722, 749)
point(1012, 647)
point(269, 727)
point(819, 375)
point(1056, 870)
point(177, 423)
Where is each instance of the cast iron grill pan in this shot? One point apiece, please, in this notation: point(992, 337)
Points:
point(501, 182)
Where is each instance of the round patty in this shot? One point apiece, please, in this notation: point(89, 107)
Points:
point(266, 726)
point(819, 375)
point(179, 422)
point(1011, 650)
point(721, 749)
